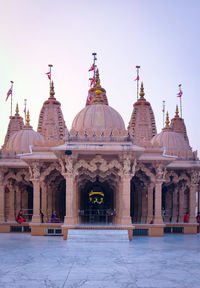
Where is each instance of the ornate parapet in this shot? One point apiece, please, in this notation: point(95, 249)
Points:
point(107, 135)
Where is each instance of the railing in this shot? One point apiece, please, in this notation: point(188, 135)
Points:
point(97, 215)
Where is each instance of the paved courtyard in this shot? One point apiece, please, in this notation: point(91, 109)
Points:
point(95, 260)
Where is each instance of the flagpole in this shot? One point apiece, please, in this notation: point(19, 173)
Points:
point(94, 55)
point(163, 110)
point(25, 103)
point(11, 97)
point(137, 67)
point(180, 99)
point(50, 65)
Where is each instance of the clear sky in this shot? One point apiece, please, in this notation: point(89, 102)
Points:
point(161, 36)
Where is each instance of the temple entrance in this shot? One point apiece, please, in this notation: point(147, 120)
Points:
point(139, 198)
point(53, 196)
point(96, 203)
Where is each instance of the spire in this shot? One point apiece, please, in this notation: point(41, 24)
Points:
point(52, 93)
point(27, 118)
point(177, 112)
point(98, 99)
point(17, 110)
point(167, 120)
point(142, 91)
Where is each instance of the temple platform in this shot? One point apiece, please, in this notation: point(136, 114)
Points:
point(59, 229)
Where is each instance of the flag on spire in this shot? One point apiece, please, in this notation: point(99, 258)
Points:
point(137, 78)
point(49, 75)
point(179, 94)
point(89, 97)
point(92, 68)
point(92, 81)
point(9, 93)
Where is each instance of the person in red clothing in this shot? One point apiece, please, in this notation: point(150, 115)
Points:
point(20, 218)
point(186, 217)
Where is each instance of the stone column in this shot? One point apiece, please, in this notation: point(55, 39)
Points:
point(2, 202)
point(175, 205)
point(11, 216)
point(158, 203)
point(150, 203)
point(181, 204)
point(192, 195)
point(125, 197)
point(36, 201)
point(192, 203)
point(18, 199)
point(70, 217)
point(44, 201)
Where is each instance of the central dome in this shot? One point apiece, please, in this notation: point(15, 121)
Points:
point(98, 117)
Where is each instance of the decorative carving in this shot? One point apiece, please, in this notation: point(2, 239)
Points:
point(34, 171)
point(126, 166)
point(97, 163)
point(160, 173)
point(195, 177)
point(143, 168)
point(69, 164)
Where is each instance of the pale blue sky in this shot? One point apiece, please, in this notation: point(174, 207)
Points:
point(161, 36)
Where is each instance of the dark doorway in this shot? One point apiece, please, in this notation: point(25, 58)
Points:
point(96, 203)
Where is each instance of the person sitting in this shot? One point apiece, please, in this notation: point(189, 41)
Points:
point(41, 216)
point(54, 218)
point(20, 218)
point(186, 217)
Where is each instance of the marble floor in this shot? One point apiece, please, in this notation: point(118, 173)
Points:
point(94, 259)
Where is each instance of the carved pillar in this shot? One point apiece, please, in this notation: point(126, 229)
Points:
point(192, 196)
point(44, 201)
point(35, 173)
point(11, 216)
point(150, 203)
point(160, 175)
point(49, 201)
point(175, 205)
point(2, 200)
point(158, 203)
point(36, 201)
point(18, 199)
point(144, 205)
point(125, 198)
point(70, 217)
point(181, 204)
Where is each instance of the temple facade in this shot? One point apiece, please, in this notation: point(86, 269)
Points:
point(99, 172)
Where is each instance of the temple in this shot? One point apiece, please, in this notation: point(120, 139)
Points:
point(98, 172)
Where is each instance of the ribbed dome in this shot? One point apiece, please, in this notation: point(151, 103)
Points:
point(173, 142)
point(21, 141)
point(98, 117)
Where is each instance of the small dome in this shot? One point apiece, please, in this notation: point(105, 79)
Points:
point(98, 117)
point(21, 141)
point(173, 142)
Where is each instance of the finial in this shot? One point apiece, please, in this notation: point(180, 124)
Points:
point(167, 119)
point(17, 109)
point(52, 93)
point(97, 75)
point(98, 86)
point(142, 91)
point(177, 112)
point(27, 118)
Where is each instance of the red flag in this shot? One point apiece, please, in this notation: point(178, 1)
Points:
point(89, 97)
point(92, 81)
point(92, 68)
point(49, 75)
point(9, 93)
point(179, 94)
point(138, 78)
